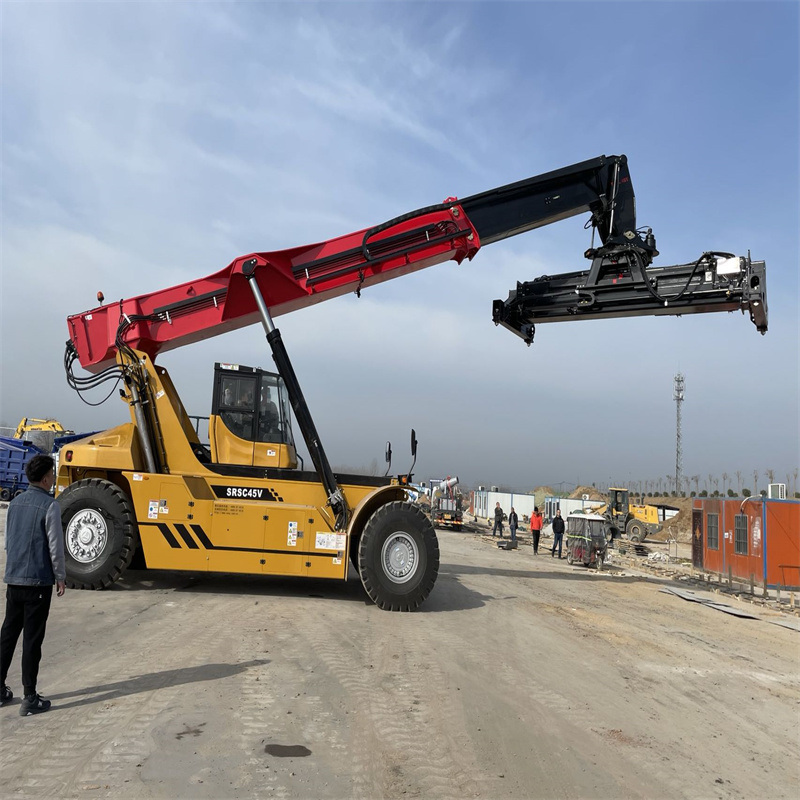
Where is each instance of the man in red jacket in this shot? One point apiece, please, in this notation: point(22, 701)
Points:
point(536, 529)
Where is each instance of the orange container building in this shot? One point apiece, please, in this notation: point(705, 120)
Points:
point(752, 538)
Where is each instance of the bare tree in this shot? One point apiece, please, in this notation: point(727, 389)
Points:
point(755, 482)
point(696, 479)
point(725, 477)
point(770, 475)
point(739, 479)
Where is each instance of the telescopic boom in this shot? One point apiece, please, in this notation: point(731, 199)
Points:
point(619, 283)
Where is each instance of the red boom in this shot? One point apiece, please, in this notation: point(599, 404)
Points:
point(288, 279)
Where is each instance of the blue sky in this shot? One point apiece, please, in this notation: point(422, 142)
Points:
point(145, 144)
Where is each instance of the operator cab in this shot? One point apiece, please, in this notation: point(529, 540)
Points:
point(250, 420)
point(618, 501)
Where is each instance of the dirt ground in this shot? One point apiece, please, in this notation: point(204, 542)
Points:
point(520, 677)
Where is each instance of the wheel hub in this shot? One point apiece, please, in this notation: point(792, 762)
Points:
point(399, 557)
point(87, 535)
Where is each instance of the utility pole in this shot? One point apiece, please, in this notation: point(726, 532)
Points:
point(677, 396)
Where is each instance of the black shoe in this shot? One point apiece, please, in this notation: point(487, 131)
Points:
point(33, 705)
point(6, 695)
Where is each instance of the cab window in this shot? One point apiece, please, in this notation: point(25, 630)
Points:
point(237, 404)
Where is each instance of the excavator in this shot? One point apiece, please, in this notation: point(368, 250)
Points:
point(241, 505)
point(29, 424)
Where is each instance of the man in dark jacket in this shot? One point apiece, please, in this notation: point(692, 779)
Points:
point(498, 520)
point(558, 533)
point(34, 562)
point(513, 521)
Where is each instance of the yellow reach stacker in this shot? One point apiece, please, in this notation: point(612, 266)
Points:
point(241, 505)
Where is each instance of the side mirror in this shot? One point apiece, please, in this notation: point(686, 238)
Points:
point(413, 452)
point(388, 457)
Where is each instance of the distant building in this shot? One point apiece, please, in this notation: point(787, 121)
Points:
point(754, 539)
point(483, 503)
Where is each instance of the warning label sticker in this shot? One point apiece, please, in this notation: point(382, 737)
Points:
point(330, 541)
point(152, 509)
point(291, 540)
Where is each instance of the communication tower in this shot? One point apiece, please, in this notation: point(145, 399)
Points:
point(677, 396)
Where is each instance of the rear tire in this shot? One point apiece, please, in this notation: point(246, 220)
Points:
point(5, 495)
point(398, 557)
point(100, 533)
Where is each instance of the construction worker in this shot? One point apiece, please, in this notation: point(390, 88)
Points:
point(34, 562)
point(558, 533)
point(536, 529)
point(513, 522)
point(498, 520)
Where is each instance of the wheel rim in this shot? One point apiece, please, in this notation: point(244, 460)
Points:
point(87, 534)
point(399, 557)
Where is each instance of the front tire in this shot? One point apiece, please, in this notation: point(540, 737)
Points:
point(398, 557)
point(635, 530)
point(100, 533)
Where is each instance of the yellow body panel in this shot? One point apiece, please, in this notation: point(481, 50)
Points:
point(227, 448)
point(183, 525)
point(648, 514)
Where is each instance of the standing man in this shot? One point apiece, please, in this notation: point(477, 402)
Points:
point(498, 520)
point(513, 521)
point(34, 562)
point(536, 529)
point(558, 533)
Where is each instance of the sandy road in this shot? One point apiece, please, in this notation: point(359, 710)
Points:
point(521, 677)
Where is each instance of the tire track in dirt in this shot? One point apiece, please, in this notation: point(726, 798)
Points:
point(401, 738)
point(98, 738)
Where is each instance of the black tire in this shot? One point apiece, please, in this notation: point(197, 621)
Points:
point(18, 493)
point(635, 530)
point(100, 533)
point(5, 494)
point(398, 557)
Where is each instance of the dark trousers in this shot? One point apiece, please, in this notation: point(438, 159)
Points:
point(557, 539)
point(27, 609)
point(498, 526)
point(536, 535)
point(513, 533)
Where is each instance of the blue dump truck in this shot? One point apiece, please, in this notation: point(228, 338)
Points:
point(16, 453)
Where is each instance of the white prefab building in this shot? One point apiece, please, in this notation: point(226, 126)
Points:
point(568, 506)
point(484, 501)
